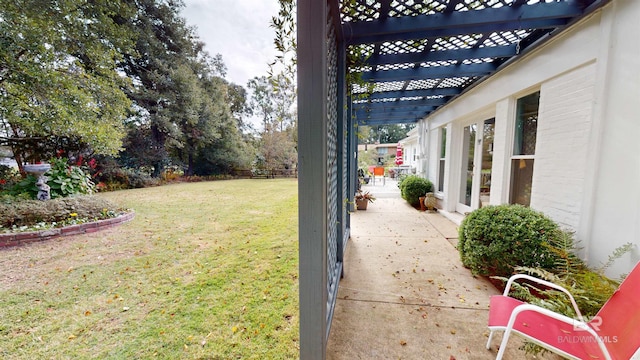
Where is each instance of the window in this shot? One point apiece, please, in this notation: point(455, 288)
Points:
point(524, 147)
point(441, 162)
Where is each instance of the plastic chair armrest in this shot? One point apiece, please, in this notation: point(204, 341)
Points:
point(547, 284)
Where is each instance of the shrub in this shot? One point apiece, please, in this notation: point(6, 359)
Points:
point(63, 179)
point(66, 180)
point(117, 178)
point(401, 178)
point(17, 212)
point(413, 187)
point(8, 177)
point(493, 240)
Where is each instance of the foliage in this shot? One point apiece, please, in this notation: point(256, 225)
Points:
point(493, 240)
point(364, 195)
point(59, 82)
point(401, 178)
point(17, 213)
point(589, 287)
point(66, 180)
point(383, 134)
point(413, 187)
point(185, 110)
point(117, 178)
point(8, 177)
point(63, 179)
point(196, 275)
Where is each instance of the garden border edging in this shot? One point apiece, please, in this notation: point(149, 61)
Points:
point(16, 239)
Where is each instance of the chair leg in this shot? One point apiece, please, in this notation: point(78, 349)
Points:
point(488, 346)
point(503, 344)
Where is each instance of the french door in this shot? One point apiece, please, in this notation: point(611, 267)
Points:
point(475, 166)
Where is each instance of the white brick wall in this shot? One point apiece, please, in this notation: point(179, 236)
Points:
point(562, 145)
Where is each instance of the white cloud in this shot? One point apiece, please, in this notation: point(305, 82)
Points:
point(237, 29)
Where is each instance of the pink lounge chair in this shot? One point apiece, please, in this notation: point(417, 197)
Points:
point(613, 334)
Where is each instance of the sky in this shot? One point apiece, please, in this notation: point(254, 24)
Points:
point(237, 29)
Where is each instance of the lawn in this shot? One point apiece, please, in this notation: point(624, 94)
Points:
point(204, 271)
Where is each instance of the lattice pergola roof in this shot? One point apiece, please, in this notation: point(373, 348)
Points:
point(417, 55)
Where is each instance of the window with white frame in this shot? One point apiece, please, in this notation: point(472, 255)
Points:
point(441, 161)
point(524, 147)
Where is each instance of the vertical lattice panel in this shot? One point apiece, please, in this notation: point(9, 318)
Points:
point(332, 162)
point(345, 172)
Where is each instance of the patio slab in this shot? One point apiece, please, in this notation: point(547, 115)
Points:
point(405, 294)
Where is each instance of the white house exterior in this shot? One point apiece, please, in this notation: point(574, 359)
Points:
point(411, 151)
point(558, 130)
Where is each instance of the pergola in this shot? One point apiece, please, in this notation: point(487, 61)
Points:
point(412, 57)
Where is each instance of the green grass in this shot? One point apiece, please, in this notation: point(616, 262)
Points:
point(204, 271)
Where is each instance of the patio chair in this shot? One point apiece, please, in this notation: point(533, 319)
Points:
point(614, 333)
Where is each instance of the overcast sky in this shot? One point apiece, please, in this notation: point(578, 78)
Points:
point(237, 29)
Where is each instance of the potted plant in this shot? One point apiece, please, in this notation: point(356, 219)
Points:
point(363, 199)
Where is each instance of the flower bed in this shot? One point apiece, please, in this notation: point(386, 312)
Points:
point(22, 238)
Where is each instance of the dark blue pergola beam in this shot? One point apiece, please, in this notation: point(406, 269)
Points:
point(433, 72)
point(417, 114)
point(537, 16)
point(462, 54)
point(387, 121)
point(380, 112)
point(406, 105)
point(415, 93)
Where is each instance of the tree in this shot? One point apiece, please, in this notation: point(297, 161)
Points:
point(58, 76)
point(261, 100)
point(384, 134)
point(163, 45)
point(273, 100)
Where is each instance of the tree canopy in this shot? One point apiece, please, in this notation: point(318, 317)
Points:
point(59, 80)
point(125, 78)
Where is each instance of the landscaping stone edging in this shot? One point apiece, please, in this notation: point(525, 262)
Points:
point(15, 239)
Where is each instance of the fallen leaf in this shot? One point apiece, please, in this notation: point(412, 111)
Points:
point(71, 337)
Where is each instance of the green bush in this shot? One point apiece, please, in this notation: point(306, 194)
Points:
point(413, 187)
point(66, 180)
point(63, 179)
point(15, 212)
point(401, 178)
point(493, 240)
point(117, 178)
point(8, 177)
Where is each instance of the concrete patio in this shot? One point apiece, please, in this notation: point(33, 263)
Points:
point(405, 293)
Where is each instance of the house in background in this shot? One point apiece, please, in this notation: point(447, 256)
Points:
point(410, 151)
point(384, 152)
point(557, 130)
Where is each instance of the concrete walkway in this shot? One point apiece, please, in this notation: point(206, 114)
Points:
point(405, 294)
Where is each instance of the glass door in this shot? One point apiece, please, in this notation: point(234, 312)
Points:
point(476, 163)
point(488, 132)
point(469, 135)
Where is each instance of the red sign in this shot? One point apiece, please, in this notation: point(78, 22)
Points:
point(399, 155)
